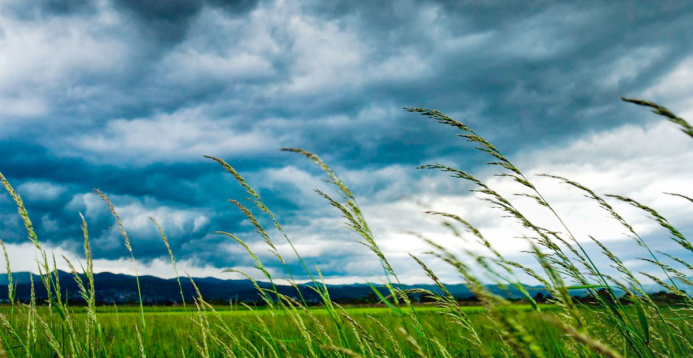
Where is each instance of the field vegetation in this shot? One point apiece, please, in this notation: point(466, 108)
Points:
point(620, 320)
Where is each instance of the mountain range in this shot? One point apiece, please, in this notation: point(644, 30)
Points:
point(122, 289)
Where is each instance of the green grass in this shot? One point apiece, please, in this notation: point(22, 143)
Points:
point(241, 310)
point(172, 322)
point(634, 327)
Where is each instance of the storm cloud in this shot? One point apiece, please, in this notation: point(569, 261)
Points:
point(127, 96)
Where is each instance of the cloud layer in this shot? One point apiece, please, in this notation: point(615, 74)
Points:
point(127, 96)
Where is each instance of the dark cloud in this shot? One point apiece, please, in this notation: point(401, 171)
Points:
point(41, 9)
point(235, 7)
point(167, 21)
point(541, 60)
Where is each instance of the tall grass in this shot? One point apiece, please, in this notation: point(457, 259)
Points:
point(624, 321)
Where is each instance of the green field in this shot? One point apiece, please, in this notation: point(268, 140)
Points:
point(620, 319)
point(174, 331)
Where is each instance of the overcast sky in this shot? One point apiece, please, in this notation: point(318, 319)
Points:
point(128, 95)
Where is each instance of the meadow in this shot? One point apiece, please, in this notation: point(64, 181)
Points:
point(620, 321)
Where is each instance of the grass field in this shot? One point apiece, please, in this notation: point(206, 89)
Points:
point(266, 330)
point(620, 321)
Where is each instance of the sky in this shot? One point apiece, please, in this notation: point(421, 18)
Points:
point(127, 96)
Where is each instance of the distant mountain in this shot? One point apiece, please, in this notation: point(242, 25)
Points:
point(22, 277)
point(119, 288)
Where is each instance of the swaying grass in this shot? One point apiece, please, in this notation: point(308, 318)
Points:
point(623, 321)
